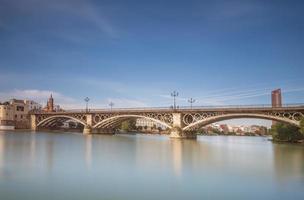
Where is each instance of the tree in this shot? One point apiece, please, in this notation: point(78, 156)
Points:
point(125, 126)
point(286, 133)
point(128, 125)
point(132, 124)
point(302, 126)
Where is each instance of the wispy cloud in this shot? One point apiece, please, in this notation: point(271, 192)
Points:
point(73, 10)
point(87, 11)
point(183, 100)
point(124, 103)
point(67, 102)
point(99, 19)
point(228, 95)
point(39, 96)
point(247, 94)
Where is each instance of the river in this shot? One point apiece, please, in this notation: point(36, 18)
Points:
point(127, 167)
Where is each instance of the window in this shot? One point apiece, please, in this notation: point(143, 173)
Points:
point(20, 108)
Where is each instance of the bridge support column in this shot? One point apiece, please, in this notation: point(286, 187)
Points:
point(89, 120)
point(87, 130)
point(33, 123)
point(177, 130)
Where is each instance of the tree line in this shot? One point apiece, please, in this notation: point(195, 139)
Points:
point(282, 132)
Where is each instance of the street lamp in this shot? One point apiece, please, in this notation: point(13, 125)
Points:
point(111, 104)
point(191, 101)
point(174, 94)
point(87, 99)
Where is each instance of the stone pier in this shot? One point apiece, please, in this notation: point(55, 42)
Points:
point(87, 130)
point(177, 130)
point(33, 123)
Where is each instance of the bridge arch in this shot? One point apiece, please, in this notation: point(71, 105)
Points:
point(210, 120)
point(115, 120)
point(50, 120)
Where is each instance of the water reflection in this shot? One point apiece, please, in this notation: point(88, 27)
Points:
point(2, 150)
point(88, 151)
point(177, 156)
point(49, 149)
point(33, 148)
point(288, 161)
point(127, 167)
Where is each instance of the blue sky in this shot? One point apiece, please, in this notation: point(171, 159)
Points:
point(136, 52)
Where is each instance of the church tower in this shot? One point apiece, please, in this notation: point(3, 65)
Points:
point(51, 104)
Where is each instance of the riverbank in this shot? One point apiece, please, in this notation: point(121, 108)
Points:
point(301, 142)
point(246, 135)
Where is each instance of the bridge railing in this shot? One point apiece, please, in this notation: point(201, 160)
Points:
point(181, 108)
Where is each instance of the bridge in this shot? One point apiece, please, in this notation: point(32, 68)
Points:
point(182, 122)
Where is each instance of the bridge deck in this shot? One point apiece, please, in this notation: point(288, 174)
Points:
point(246, 108)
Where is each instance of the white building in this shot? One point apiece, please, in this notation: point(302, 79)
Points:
point(57, 108)
point(32, 105)
point(149, 124)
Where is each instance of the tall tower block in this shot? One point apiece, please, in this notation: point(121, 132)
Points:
point(276, 100)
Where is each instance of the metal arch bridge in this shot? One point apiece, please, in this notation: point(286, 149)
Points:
point(181, 121)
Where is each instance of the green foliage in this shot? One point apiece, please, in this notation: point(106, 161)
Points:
point(286, 133)
point(302, 126)
point(125, 126)
point(128, 125)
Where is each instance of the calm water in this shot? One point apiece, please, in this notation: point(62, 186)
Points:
point(72, 166)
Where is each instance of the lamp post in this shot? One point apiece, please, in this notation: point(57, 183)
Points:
point(111, 104)
point(191, 101)
point(87, 99)
point(174, 94)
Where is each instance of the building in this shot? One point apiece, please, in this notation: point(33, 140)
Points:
point(276, 100)
point(225, 128)
point(247, 129)
point(32, 105)
point(15, 114)
point(20, 111)
point(57, 108)
point(6, 117)
point(148, 124)
point(50, 105)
